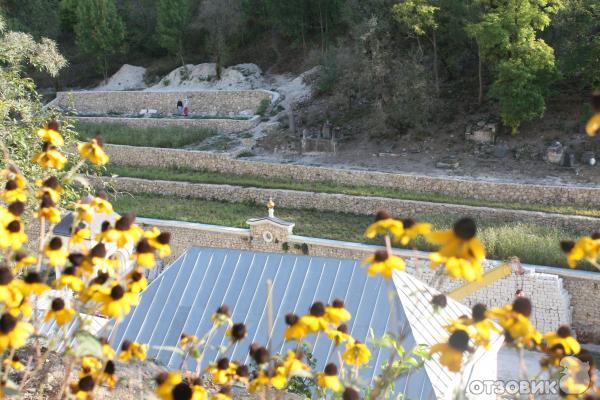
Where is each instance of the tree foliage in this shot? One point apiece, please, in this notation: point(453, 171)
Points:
point(172, 19)
point(100, 32)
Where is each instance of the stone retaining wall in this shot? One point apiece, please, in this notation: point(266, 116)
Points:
point(210, 102)
point(461, 188)
point(361, 205)
point(556, 294)
point(218, 125)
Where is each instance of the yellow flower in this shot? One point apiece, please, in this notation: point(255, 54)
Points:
point(459, 242)
point(96, 290)
point(483, 326)
point(51, 187)
point(50, 134)
point(224, 394)
point(97, 258)
point(279, 378)
point(48, 210)
point(125, 231)
point(382, 263)
point(356, 353)
point(329, 379)
point(336, 313)
point(10, 295)
point(59, 312)
point(315, 321)
point(136, 281)
point(384, 224)
point(70, 279)
point(222, 371)
point(12, 235)
point(237, 332)
point(90, 365)
point(14, 362)
point(14, 190)
point(107, 350)
point(199, 393)
point(32, 283)
point(80, 236)
point(131, 350)
point(118, 303)
point(160, 242)
point(585, 248)
point(23, 260)
point(258, 382)
point(144, 254)
point(221, 315)
point(593, 125)
point(452, 351)
point(564, 338)
point(292, 364)
point(82, 390)
point(101, 205)
point(55, 252)
point(187, 340)
point(93, 151)
point(165, 384)
point(411, 230)
point(339, 335)
point(458, 267)
point(13, 333)
point(514, 318)
point(295, 330)
point(108, 376)
point(24, 309)
point(50, 157)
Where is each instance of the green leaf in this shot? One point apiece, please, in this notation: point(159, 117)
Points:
point(87, 345)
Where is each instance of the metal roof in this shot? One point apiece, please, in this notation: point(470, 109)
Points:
point(183, 298)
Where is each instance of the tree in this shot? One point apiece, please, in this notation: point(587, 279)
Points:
point(522, 63)
point(99, 32)
point(172, 21)
point(39, 18)
point(419, 17)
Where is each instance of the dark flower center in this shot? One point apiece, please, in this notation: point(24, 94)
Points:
point(261, 356)
point(338, 303)
point(7, 323)
point(596, 235)
point(224, 309)
point(117, 292)
point(164, 238)
point(11, 185)
point(567, 245)
point(53, 125)
point(223, 363)
point(238, 331)
point(51, 182)
point(98, 250)
point(331, 369)
point(58, 304)
point(182, 391)
point(143, 246)
point(242, 371)
point(465, 228)
point(110, 368)
point(6, 276)
point(33, 277)
point(317, 309)
point(55, 243)
point(99, 141)
point(105, 226)
point(69, 271)
point(16, 208)
point(125, 222)
point(161, 378)
point(381, 255)
point(439, 300)
point(136, 276)
point(14, 226)
point(291, 319)
point(47, 201)
point(350, 394)
point(126, 345)
point(564, 331)
point(382, 214)
point(479, 312)
point(86, 384)
point(76, 259)
point(101, 278)
point(343, 328)
point(522, 305)
point(459, 340)
point(408, 223)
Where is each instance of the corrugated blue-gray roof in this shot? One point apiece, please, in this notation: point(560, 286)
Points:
point(183, 298)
